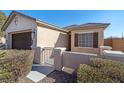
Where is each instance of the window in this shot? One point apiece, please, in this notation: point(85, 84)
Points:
point(86, 39)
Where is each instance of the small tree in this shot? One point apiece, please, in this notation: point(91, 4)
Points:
point(2, 20)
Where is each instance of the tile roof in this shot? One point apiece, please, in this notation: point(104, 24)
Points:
point(87, 25)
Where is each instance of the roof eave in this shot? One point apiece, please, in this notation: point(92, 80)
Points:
point(11, 16)
point(51, 26)
point(90, 27)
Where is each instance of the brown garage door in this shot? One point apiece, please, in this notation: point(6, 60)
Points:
point(21, 41)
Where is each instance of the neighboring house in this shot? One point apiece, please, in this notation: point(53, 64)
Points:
point(25, 32)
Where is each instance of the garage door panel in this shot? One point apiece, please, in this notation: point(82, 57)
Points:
point(21, 40)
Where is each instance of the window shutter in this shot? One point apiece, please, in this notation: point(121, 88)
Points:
point(76, 40)
point(95, 39)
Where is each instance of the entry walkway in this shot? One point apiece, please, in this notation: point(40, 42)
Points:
point(39, 71)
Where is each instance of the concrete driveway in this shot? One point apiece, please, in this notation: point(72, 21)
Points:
point(39, 71)
point(46, 74)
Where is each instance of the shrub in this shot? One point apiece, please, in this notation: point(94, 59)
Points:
point(5, 76)
point(102, 71)
point(16, 64)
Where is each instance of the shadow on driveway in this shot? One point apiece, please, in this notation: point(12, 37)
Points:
point(59, 77)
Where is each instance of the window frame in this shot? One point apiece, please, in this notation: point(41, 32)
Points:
point(86, 33)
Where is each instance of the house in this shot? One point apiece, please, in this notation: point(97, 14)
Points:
point(25, 32)
point(87, 37)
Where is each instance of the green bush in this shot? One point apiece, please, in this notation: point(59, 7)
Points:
point(15, 64)
point(5, 76)
point(101, 71)
point(2, 33)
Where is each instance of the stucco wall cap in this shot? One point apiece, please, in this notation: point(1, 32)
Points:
point(87, 54)
point(60, 48)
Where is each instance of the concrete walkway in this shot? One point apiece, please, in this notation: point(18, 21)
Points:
point(39, 71)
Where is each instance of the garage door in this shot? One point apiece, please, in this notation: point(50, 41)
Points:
point(21, 41)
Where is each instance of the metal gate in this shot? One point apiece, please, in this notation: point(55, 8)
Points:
point(47, 56)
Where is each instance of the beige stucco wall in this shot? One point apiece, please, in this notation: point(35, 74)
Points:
point(68, 59)
point(64, 58)
point(23, 25)
point(88, 50)
point(74, 59)
point(47, 37)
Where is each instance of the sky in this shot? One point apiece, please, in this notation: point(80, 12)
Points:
point(64, 18)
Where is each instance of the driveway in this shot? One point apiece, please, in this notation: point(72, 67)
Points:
point(59, 77)
point(47, 74)
point(38, 72)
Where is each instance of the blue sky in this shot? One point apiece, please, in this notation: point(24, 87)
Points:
point(64, 18)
